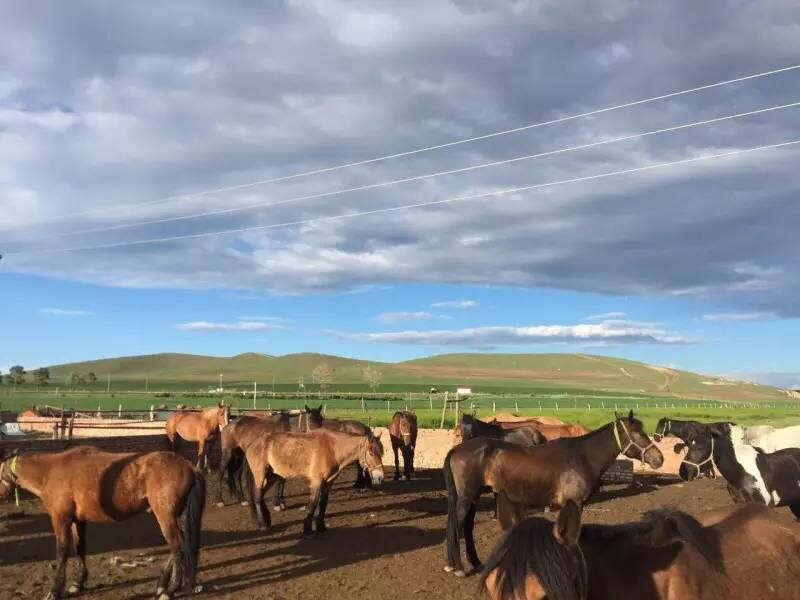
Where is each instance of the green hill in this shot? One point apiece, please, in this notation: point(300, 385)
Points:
point(482, 372)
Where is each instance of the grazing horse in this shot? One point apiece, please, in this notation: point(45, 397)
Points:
point(198, 427)
point(235, 439)
point(403, 435)
point(755, 476)
point(527, 434)
point(540, 476)
point(86, 485)
point(739, 552)
point(317, 457)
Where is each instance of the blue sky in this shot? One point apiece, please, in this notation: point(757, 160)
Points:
point(120, 128)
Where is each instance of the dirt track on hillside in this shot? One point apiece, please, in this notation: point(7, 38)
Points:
point(384, 544)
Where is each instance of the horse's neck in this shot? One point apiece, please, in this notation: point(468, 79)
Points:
point(346, 448)
point(679, 429)
point(32, 473)
point(602, 447)
point(725, 460)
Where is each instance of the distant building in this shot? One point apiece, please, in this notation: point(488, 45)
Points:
point(462, 392)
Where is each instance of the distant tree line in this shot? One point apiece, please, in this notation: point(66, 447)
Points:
point(17, 375)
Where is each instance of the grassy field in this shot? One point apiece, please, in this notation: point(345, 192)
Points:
point(582, 406)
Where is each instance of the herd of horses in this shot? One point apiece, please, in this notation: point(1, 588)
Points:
point(744, 551)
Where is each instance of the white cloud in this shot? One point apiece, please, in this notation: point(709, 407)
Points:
point(609, 332)
point(235, 326)
point(461, 304)
point(398, 317)
point(743, 316)
point(608, 315)
point(66, 312)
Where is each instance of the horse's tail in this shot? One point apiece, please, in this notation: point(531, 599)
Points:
point(453, 529)
point(192, 515)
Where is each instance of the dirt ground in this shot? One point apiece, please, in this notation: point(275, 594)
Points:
point(380, 544)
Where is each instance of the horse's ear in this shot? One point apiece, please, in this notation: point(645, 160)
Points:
point(678, 448)
point(630, 416)
point(319, 408)
point(666, 529)
point(306, 407)
point(617, 415)
point(567, 528)
point(719, 429)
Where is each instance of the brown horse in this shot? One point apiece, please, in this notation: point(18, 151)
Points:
point(317, 457)
point(198, 427)
point(356, 428)
point(539, 476)
point(86, 485)
point(548, 430)
point(237, 437)
point(403, 434)
point(740, 552)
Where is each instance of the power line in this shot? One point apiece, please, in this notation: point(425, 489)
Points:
point(381, 184)
point(686, 161)
point(427, 148)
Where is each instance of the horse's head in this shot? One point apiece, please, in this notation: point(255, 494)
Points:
point(633, 441)
point(314, 417)
point(371, 459)
point(662, 429)
point(700, 451)
point(223, 415)
point(8, 475)
point(407, 424)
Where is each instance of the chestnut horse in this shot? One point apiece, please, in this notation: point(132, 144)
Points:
point(550, 431)
point(403, 435)
point(539, 476)
point(317, 457)
point(86, 485)
point(198, 427)
point(235, 439)
point(739, 552)
point(527, 434)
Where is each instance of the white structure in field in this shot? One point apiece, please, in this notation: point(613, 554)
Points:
point(463, 392)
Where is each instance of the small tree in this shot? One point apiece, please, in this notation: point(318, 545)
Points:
point(322, 376)
point(91, 378)
point(72, 380)
point(16, 375)
point(373, 377)
point(41, 376)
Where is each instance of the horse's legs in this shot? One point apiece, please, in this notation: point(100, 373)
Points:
point(408, 462)
point(396, 461)
point(463, 506)
point(469, 539)
point(361, 482)
point(171, 577)
point(222, 471)
point(79, 538)
point(62, 527)
point(201, 455)
point(325, 490)
point(280, 500)
point(257, 507)
point(313, 502)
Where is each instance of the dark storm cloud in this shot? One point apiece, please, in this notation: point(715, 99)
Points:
point(102, 108)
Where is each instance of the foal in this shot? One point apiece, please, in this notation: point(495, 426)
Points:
point(317, 457)
point(540, 476)
point(403, 435)
point(198, 427)
point(86, 485)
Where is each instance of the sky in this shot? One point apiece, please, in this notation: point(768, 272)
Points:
point(225, 126)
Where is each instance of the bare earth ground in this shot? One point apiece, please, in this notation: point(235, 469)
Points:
point(381, 544)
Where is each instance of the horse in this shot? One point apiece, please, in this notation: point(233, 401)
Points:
point(550, 431)
point(403, 435)
point(84, 484)
point(755, 476)
point(740, 552)
point(539, 476)
point(318, 457)
point(527, 434)
point(770, 439)
point(235, 439)
point(197, 427)
point(509, 418)
point(356, 428)
point(686, 431)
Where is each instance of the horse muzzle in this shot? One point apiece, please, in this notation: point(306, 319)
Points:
point(377, 476)
point(653, 457)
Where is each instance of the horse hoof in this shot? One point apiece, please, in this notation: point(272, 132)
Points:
point(406, 478)
point(164, 596)
point(74, 589)
point(308, 535)
point(220, 505)
point(51, 596)
point(459, 573)
point(197, 589)
point(449, 569)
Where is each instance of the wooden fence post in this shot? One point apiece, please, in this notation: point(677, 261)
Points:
point(444, 410)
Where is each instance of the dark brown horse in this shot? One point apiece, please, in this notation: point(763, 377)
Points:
point(317, 457)
point(403, 434)
point(539, 476)
point(527, 434)
point(200, 427)
point(237, 437)
point(738, 552)
point(86, 485)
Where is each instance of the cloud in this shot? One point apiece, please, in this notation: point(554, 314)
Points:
point(744, 316)
point(398, 317)
point(235, 326)
point(236, 97)
point(461, 304)
point(66, 312)
point(610, 332)
point(604, 316)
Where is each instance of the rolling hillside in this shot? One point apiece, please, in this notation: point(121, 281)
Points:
point(483, 372)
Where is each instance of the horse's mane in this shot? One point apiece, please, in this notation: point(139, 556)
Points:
point(531, 548)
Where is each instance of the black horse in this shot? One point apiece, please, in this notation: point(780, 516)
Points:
point(752, 474)
point(686, 431)
point(472, 427)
